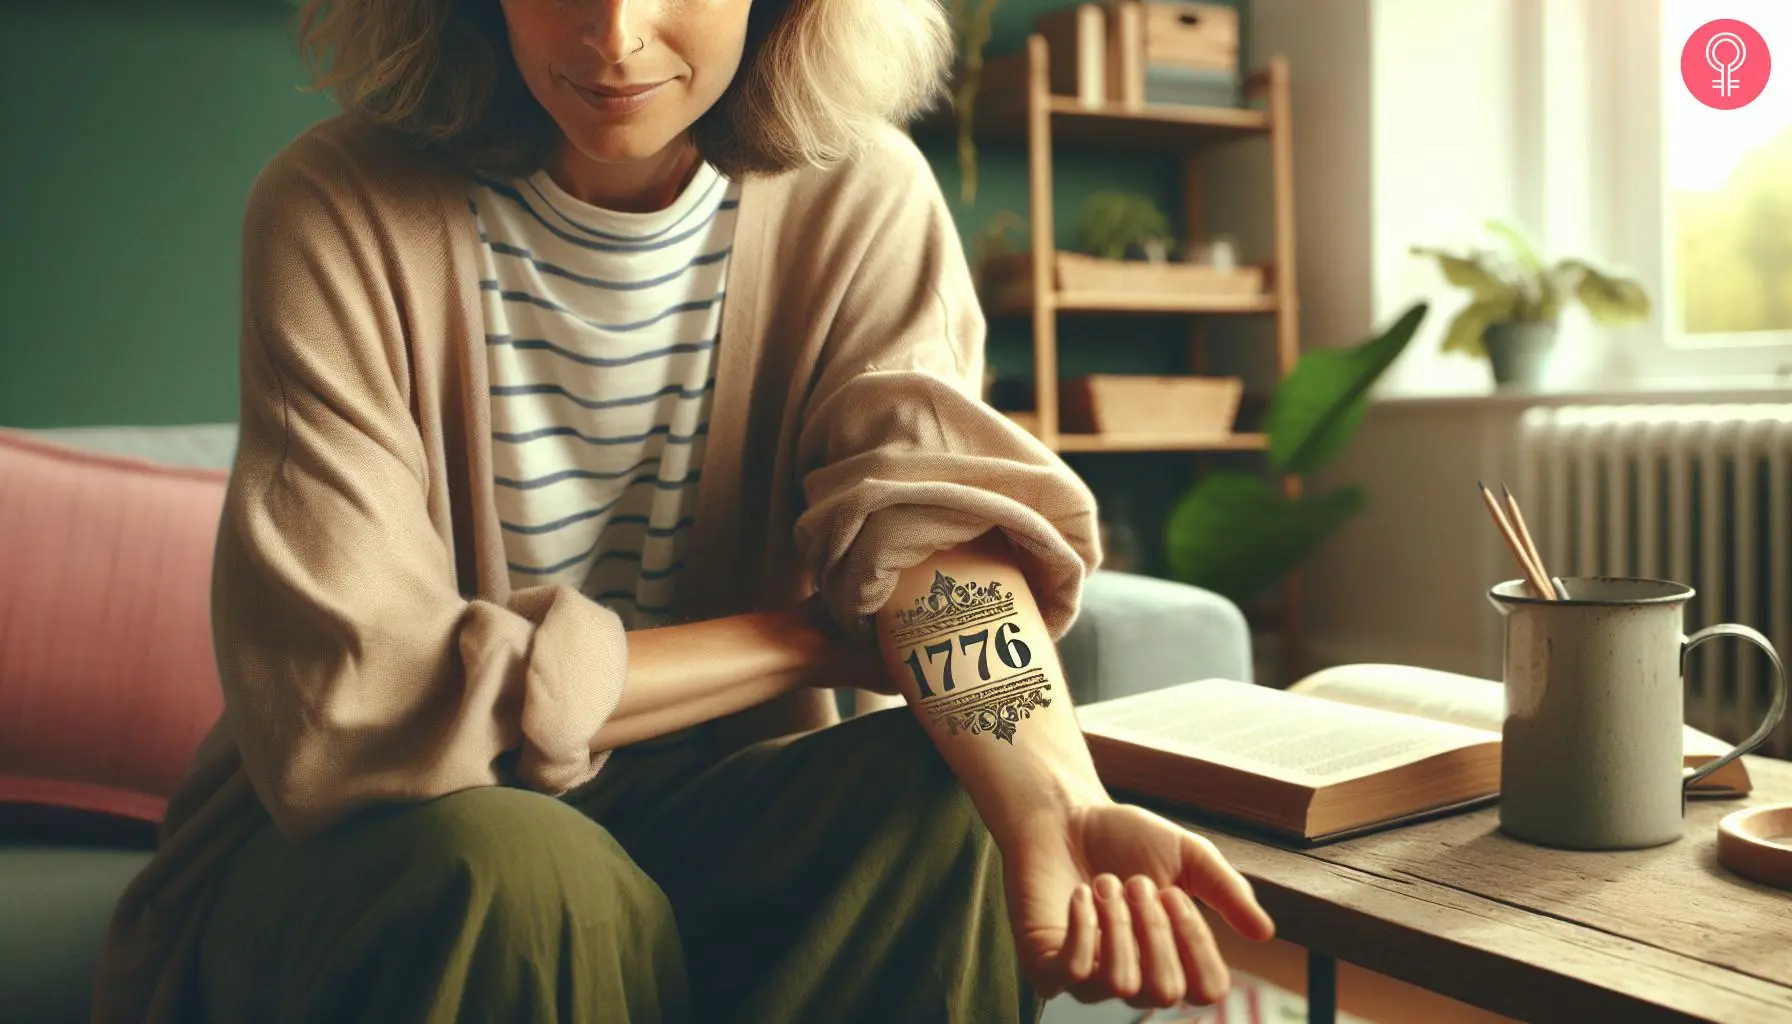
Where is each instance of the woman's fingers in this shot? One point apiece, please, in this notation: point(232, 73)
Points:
point(1208, 978)
point(1208, 875)
point(1163, 982)
point(1119, 949)
point(1079, 945)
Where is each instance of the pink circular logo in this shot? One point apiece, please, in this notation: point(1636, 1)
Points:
point(1725, 64)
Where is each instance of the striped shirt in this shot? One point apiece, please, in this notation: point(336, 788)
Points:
point(600, 331)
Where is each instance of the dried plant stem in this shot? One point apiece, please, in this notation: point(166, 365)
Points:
point(973, 27)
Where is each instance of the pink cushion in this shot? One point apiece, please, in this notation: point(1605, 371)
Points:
point(107, 682)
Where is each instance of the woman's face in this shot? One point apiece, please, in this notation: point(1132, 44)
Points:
point(624, 79)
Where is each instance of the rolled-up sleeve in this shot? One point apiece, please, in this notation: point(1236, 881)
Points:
point(354, 670)
point(900, 457)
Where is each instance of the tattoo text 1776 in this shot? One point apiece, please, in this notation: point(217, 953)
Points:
point(968, 620)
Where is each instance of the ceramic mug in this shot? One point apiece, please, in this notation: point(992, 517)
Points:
point(1595, 712)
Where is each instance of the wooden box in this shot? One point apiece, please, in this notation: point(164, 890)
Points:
point(1080, 273)
point(1191, 35)
point(1133, 404)
point(1007, 280)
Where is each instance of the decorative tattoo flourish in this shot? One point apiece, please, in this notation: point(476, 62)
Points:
point(995, 709)
point(950, 605)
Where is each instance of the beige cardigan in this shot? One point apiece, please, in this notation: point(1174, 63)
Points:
point(369, 643)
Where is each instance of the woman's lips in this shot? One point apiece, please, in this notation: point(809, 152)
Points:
point(617, 100)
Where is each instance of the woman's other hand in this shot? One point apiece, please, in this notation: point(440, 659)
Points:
point(1103, 906)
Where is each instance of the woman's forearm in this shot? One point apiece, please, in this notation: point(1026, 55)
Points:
point(964, 640)
point(684, 675)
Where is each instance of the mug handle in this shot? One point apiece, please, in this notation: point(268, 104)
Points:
point(1775, 711)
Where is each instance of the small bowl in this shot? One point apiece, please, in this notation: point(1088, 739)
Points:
point(1756, 843)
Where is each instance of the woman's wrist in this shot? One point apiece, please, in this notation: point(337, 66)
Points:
point(1063, 797)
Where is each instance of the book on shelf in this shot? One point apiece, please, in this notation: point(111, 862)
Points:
point(1126, 55)
point(1344, 751)
point(1182, 85)
point(1076, 38)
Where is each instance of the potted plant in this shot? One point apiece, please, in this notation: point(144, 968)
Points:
point(1516, 300)
point(1123, 226)
point(1237, 533)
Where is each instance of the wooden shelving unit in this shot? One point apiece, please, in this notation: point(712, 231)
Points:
point(1042, 120)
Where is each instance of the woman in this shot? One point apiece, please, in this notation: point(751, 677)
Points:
point(593, 341)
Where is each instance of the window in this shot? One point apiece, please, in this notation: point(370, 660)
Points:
point(1696, 200)
point(1727, 201)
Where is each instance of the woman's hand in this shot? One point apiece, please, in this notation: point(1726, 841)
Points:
point(1101, 907)
point(842, 662)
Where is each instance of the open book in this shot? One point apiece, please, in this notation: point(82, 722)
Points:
point(1343, 751)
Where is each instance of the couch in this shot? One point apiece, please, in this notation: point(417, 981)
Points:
point(58, 883)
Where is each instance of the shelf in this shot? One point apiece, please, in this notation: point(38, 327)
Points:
point(1152, 126)
point(1018, 301)
point(1160, 443)
point(1121, 302)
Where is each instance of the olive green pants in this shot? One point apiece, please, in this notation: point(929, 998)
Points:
point(841, 875)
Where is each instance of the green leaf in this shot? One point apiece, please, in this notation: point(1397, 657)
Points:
point(1464, 334)
point(1468, 272)
point(1549, 306)
point(1318, 406)
point(1518, 245)
point(1609, 299)
point(1236, 534)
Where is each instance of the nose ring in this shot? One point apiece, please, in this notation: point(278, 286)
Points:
point(640, 44)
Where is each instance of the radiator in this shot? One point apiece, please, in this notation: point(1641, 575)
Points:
point(1701, 494)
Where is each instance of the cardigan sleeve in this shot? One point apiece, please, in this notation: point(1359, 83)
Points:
point(900, 457)
point(354, 670)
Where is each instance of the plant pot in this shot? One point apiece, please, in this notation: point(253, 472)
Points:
point(1519, 352)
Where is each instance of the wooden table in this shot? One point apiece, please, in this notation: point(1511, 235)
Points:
point(1457, 907)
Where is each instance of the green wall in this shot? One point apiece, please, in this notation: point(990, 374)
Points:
point(1002, 185)
point(132, 132)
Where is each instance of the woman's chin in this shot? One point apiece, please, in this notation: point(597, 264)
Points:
point(621, 143)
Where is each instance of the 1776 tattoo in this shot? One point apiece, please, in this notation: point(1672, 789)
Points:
point(977, 694)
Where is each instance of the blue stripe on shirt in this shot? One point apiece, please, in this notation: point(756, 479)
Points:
point(700, 260)
point(631, 519)
point(638, 519)
point(574, 474)
point(596, 233)
point(669, 391)
point(585, 243)
point(524, 437)
point(592, 513)
point(614, 554)
point(693, 306)
point(544, 345)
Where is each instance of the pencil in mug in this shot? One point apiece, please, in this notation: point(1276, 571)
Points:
point(1532, 574)
point(1556, 589)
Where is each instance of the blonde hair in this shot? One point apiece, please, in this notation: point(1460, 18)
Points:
point(816, 81)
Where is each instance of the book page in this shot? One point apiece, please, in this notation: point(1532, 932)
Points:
point(1272, 733)
point(1428, 693)
point(1450, 697)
